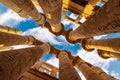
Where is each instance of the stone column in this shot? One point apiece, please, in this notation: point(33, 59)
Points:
point(11, 39)
point(37, 65)
point(105, 44)
point(54, 72)
point(15, 8)
point(52, 10)
point(6, 48)
point(10, 30)
point(66, 69)
point(14, 63)
point(86, 70)
point(105, 20)
point(108, 54)
point(102, 73)
point(28, 7)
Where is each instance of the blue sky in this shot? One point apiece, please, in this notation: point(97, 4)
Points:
point(29, 27)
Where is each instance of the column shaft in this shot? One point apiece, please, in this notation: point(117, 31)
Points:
point(54, 72)
point(66, 69)
point(14, 7)
point(105, 20)
point(108, 54)
point(11, 39)
point(105, 44)
point(9, 30)
point(28, 7)
point(102, 73)
point(6, 48)
point(14, 63)
point(85, 69)
point(52, 11)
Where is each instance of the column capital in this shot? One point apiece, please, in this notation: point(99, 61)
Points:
point(67, 54)
point(46, 47)
point(37, 42)
point(77, 61)
point(63, 53)
point(47, 25)
point(29, 40)
point(104, 54)
point(69, 37)
point(84, 44)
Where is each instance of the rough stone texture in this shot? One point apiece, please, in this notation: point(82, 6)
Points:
point(102, 73)
point(12, 39)
point(28, 7)
point(105, 20)
point(108, 54)
point(33, 74)
point(52, 10)
point(112, 45)
point(10, 30)
point(93, 2)
point(39, 63)
point(16, 62)
point(15, 8)
point(66, 69)
point(6, 48)
point(86, 70)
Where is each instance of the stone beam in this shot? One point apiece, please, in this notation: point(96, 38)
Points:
point(11, 39)
point(106, 20)
point(77, 22)
point(93, 2)
point(10, 30)
point(28, 7)
point(40, 63)
point(14, 63)
point(33, 74)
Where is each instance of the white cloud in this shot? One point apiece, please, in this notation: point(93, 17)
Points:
point(94, 59)
point(54, 61)
point(65, 22)
point(80, 74)
point(116, 75)
point(10, 18)
point(42, 34)
point(99, 37)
